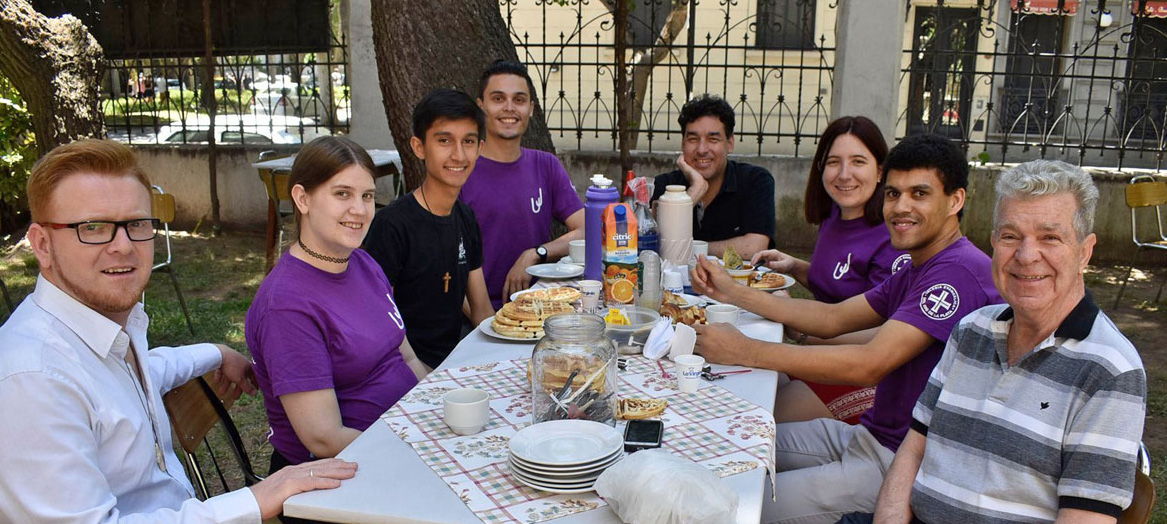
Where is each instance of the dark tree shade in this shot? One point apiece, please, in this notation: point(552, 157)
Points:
point(441, 43)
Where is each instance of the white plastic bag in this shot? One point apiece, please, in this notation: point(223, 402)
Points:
point(655, 487)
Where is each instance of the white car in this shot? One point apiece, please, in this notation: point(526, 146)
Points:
point(245, 129)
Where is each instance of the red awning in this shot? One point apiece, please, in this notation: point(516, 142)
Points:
point(1045, 7)
point(1153, 8)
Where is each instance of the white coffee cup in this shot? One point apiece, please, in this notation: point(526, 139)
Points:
point(576, 249)
point(672, 282)
point(723, 313)
point(590, 294)
point(700, 247)
point(466, 410)
point(689, 372)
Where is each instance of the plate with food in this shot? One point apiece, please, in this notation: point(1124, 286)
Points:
point(682, 308)
point(770, 281)
point(522, 321)
point(547, 294)
point(517, 335)
point(553, 270)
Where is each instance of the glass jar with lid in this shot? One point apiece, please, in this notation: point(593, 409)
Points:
point(573, 371)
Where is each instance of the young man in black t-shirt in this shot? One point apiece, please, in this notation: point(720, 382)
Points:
point(427, 242)
point(733, 201)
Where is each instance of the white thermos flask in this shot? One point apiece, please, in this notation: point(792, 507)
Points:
point(674, 218)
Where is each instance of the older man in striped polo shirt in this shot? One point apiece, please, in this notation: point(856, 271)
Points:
point(1035, 411)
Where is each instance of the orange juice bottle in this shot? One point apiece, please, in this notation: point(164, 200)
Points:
point(620, 260)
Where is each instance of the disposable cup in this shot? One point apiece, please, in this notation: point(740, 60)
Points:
point(590, 294)
point(689, 372)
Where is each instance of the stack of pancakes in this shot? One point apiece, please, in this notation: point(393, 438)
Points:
point(524, 317)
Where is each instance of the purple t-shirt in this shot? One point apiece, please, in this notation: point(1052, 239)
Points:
point(309, 330)
point(514, 203)
point(932, 296)
point(851, 257)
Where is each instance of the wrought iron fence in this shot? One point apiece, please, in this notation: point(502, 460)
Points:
point(261, 97)
point(771, 59)
point(1084, 81)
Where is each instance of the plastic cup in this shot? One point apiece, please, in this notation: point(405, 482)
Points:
point(673, 282)
point(466, 410)
point(700, 247)
point(590, 294)
point(577, 250)
point(689, 372)
point(722, 313)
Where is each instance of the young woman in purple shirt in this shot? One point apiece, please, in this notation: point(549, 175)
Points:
point(844, 197)
point(328, 340)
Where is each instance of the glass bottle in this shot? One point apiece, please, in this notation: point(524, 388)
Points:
point(573, 371)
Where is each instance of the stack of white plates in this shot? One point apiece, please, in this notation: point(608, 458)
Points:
point(564, 456)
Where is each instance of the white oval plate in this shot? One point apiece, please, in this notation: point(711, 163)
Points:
point(552, 270)
point(690, 300)
point(566, 442)
point(566, 483)
point(550, 489)
point(789, 282)
point(489, 331)
point(567, 471)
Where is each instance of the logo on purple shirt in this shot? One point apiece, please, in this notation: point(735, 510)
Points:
point(901, 262)
point(394, 314)
point(537, 203)
point(940, 301)
point(841, 268)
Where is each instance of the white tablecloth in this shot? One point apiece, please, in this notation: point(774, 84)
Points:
point(392, 483)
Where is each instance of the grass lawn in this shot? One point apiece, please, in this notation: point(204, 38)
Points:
point(219, 276)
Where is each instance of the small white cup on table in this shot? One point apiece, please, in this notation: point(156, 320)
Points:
point(689, 372)
point(466, 410)
point(590, 294)
point(722, 313)
point(700, 248)
point(576, 249)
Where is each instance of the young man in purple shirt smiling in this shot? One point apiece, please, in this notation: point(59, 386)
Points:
point(515, 192)
point(826, 467)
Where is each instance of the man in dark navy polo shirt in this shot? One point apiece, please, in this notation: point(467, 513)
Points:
point(733, 201)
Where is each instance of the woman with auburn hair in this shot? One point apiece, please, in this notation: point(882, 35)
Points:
point(844, 197)
point(329, 343)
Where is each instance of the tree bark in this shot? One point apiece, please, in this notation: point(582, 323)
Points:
point(644, 60)
point(421, 46)
point(54, 63)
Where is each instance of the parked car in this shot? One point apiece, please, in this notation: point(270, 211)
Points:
point(240, 129)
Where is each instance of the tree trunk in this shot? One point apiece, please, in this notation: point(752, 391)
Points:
point(643, 62)
point(421, 46)
point(55, 64)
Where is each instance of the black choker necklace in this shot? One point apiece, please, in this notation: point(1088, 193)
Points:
point(326, 258)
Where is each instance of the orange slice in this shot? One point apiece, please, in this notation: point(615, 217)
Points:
point(622, 291)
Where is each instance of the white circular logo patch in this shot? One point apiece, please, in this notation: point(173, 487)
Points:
point(940, 301)
point(901, 262)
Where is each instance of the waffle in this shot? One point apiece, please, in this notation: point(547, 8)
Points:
point(552, 294)
point(640, 408)
point(768, 280)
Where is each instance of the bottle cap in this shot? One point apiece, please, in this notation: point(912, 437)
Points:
point(601, 181)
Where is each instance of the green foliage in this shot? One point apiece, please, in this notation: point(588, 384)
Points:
point(17, 147)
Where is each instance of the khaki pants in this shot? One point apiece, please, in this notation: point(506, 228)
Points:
point(826, 468)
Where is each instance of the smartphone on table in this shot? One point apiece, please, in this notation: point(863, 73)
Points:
point(643, 434)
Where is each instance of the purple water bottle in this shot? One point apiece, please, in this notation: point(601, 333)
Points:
point(599, 195)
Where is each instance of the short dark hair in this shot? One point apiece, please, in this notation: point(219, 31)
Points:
point(504, 67)
point(931, 151)
point(707, 105)
point(320, 160)
point(817, 202)
point(450, 104)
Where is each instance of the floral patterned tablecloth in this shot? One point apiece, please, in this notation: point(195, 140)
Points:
point(712, 427)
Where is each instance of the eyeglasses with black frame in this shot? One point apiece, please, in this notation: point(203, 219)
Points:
point(104, 231)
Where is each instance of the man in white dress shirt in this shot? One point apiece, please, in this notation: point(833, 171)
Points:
point(85, 437)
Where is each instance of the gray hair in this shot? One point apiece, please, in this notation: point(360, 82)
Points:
point(1050, 177)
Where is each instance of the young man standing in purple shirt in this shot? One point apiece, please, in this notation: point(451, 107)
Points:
point(515, 192)
point(826, 467)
